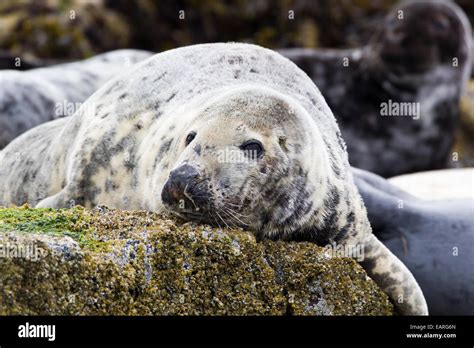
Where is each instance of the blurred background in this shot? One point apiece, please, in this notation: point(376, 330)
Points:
point(62, 30)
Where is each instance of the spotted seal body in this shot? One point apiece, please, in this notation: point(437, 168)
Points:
point(434, 239)
point(397, 98)
point(30, 98)
point(227, 134)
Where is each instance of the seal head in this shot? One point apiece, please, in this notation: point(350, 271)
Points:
point(419, 36)
point(244, 162)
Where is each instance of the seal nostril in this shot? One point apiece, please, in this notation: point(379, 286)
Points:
point(176, 194)
point(185, 186)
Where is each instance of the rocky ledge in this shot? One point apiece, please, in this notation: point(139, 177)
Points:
point(103, 261)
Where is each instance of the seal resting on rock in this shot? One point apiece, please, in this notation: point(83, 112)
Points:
point(225, 134)
point(434, 239)
point(397, 99)
point(30, 98)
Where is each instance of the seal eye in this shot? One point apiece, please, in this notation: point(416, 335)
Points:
point(190, 138)
point(252, 148)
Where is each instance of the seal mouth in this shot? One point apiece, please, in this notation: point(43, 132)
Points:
point(191, 215)
point(187, 215)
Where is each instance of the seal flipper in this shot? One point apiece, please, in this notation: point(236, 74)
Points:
point(56, 201)
point(393, 278)
point(383, 200)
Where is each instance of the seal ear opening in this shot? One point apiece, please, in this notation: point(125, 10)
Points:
point(282, 143)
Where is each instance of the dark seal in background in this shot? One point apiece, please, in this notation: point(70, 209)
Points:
point(418, 60)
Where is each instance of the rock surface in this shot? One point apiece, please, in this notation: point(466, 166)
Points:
point(81, 262)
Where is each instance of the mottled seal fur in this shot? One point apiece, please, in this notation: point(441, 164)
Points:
point(29, 98)
point(164, 135)
point(434, 239)
point(422, 58)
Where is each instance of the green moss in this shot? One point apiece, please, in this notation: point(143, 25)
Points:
point(74, 223)
point(41, 220)
point(154, 265)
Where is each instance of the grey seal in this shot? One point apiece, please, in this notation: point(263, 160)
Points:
point(226, 134)
point(32, 97)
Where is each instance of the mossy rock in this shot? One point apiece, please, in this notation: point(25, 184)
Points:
point(81, 262)
point(41, 31)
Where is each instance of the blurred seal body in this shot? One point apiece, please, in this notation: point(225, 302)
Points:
point(397, 99)
point(434, 239)
point(227, 134)
point(30, 98)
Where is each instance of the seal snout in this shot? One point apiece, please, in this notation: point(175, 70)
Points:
point(186, 191)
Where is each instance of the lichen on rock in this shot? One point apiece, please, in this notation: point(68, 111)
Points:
point(110, 262)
